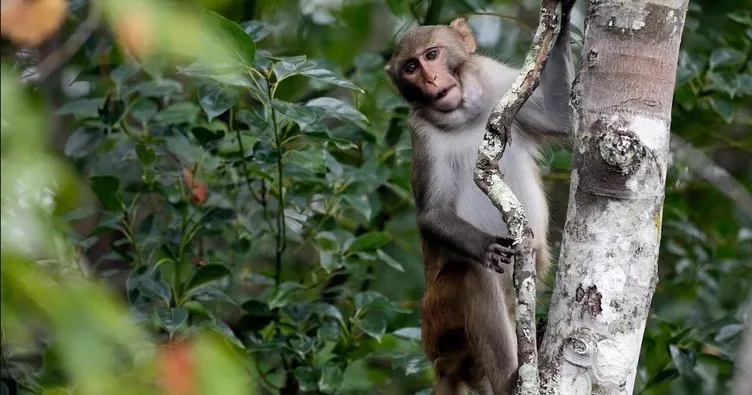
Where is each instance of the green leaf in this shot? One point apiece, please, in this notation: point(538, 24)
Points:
point(141, 280)
point(228, 74)
point(143, 109)
point(208, 293)
point(361, 204)
point(233, 37)
point(728, 331)
point(741, 16)
point(183, 112)
point(145, 154)
point(726, 57)
point(106, 189)
point(82, 142)
point(412, 363)
point(171, 318)
point(224, 330)
point(338, 109)
point(206, 136)
point(230, 144)
point(82, 108)
point(183, 148)
point(684, 360)
point(286, 67)
point(312, 158)
point(206, 274)
point(723, 108)
point(327, 241)
point(369, 241)
point(112, 111)
point(410, 333)
point(374, 327)
point(331, 378)
point(320, 74)
point(215, 99)
point(744, 85)
point(258, 317)
point(122, 73)
point(307, 378)
point(722, 82)
point(328, 310)
point(330, 261)
point(301, 344)
point(303, 116)
point(329, 331)
point(390, 261)
point(286, 292)
point(157, 88)
point(370, 299)
point(257, 30)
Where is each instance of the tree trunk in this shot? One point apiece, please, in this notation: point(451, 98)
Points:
point(607, 271)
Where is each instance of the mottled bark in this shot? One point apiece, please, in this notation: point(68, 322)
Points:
point(607, 270)
point(488, 178)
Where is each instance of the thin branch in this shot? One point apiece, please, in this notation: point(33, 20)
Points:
point(54, 60)
point(488, 178)
point(701, 164)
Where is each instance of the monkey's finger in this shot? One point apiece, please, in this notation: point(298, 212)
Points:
point(498, 249)
point(504, 241)
point(493, 262)
point(500, 259)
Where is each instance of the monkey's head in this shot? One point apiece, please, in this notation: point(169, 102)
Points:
point(426, 62)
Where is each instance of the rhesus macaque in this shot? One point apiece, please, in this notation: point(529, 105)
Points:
point(467, 325)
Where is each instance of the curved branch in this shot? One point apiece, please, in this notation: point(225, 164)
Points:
point(488, 178)
point(82, 33)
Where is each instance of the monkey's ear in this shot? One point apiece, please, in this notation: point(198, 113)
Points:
point(460, 26)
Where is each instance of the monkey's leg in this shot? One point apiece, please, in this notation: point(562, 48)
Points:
point(489, 327)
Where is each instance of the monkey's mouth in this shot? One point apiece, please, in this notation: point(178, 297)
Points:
point(448, 99)
point(443, 93)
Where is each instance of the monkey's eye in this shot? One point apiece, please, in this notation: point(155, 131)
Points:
point(432, 54)
point(411, 68)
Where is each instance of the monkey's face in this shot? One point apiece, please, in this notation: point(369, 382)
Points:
point(430, 73)
point(425, 65)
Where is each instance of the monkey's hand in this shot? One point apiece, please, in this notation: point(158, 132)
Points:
point(498, 253)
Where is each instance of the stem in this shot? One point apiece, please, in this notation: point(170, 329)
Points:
point(281, 237)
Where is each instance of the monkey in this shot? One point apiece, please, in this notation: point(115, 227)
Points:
point(468, 330)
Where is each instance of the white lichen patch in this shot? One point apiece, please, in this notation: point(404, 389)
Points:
point(653, 132)
point(617, 357)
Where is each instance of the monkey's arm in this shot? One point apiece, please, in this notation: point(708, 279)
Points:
point(547, 110)
point(440, 225)
point(445, 228)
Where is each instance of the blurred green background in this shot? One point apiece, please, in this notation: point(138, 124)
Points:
point(212, 197)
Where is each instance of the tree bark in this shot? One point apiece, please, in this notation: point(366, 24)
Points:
point(607, 270)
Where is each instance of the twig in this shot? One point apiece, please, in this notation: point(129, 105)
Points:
point(704, 166)
point(488, 179)
point(54, 60)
